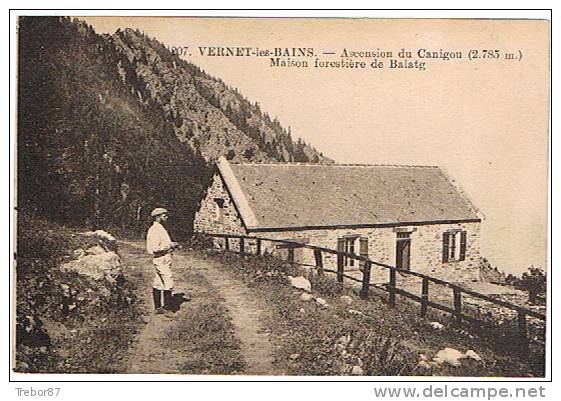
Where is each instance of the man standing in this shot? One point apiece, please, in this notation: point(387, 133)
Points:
point(159, 244)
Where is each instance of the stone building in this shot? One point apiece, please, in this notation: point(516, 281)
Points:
point(412, 217)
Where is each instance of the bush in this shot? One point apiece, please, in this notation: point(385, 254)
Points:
point(200, 241)
point(326, 285)
point(533, 281)
point(53, 304)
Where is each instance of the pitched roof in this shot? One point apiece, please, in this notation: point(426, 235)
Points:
point(308, 195)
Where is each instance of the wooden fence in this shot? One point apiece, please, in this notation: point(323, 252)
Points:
point(392, 288)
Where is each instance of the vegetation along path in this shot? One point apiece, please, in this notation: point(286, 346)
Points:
point(219, 331)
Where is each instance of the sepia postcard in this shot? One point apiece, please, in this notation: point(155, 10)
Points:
point(281, 197)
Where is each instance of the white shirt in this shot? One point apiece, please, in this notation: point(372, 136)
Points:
point(157, 238)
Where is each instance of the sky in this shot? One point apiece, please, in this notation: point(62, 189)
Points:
point(485, 121)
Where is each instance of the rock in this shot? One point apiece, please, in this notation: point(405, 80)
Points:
point(301, 283)
point(95, 250)
point(355, 312)
point(436, 325)
point(425, 365)
point(306, 297)
point(357, 371)
point(78, 253)
point(346, 299)
point(342, 343)
point(294, 356)
point(450, 356)
point(302, 310)
point(102, 234)
point(321, 302)
point(423, 357)
point(95, 266)
point(473, 355)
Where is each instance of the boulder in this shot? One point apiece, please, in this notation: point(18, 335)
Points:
point(78, 253)
point(346, 299)
point(321, 302)
point(357, 371)
point(473, 355)
point(95, 250)
point(101, 234)
point(301, 283)
point(450, 356)
point(306, 297)
point(436, 325)
point(95, 266)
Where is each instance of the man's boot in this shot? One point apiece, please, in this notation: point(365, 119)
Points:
point(157, 298)
point(167, 299)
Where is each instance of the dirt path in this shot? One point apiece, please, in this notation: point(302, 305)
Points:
point(149, 355)
point(159, 347)
point(247, 314)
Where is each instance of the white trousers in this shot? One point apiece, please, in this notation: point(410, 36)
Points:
point(163, 279)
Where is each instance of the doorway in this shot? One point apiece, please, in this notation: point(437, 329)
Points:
point(403, 251)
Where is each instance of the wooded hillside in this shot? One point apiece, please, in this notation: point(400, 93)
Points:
point(111, 125)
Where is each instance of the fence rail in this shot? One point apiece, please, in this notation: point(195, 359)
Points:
point(392, 288)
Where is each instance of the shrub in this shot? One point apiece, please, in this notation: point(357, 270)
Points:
point(200, 241)
point(326, 285)
point(533, 281)
point(51, 303)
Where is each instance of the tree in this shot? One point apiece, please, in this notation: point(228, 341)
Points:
point(533, 281)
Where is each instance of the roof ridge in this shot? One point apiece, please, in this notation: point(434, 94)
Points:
point(333, 165)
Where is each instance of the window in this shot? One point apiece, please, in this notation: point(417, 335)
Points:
point(348, 244)
point(219, 210)
point(454, 246)
point(350, 248)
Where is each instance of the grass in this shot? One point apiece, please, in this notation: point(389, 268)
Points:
point(312, 340)
point(205, 338)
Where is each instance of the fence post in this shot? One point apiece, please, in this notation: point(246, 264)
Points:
point(242, 246)
point(226, 243)
point(522, 333)
point(392, 287)
point(319, 261)
point(340, 259)
point(458, 304)
point(365, 280)
point(425, 296)
point(258, 247)
point(291, 254)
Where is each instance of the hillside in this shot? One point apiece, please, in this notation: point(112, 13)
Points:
point(111, 125)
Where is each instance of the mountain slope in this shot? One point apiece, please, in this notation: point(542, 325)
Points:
point(111, 125)
point(206, 113)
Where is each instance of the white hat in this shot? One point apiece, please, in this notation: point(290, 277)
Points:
point(158, 211)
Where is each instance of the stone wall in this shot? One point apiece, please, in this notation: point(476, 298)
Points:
point(426, 241)
point(426, 249)
point(205, 218)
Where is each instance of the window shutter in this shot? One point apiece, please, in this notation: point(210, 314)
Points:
point(363, 246)
point(445, 241)
point(363, 249)
point(463, 239)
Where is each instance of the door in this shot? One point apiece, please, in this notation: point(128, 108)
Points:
point(403, 251)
